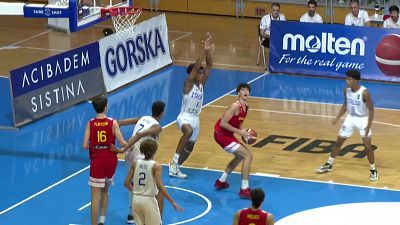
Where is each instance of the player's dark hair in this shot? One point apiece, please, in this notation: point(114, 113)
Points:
point(190, 68)
point(99, 103)
point(275, 4)
point(242, 85)
point(148, 148)
point(312, 2)
point(354, 1)
point(355, 74)
point(157, 108)
point(257, 197)
point(394, 8)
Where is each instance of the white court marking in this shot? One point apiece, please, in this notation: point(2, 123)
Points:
point(82, 170)
point(366, 213)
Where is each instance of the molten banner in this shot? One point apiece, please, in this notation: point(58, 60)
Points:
point(331, 50)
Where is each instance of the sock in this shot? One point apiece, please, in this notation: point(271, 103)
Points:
point(372, 167)
point(245, 184)
point(130, 203)
point(102, 219)
point(223, 177)
point(330, 160)
point(176, 158)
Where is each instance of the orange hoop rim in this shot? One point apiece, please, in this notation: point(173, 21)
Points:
point(124, 10)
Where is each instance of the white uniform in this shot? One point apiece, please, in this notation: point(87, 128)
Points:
point(266, 22)
point(146, 209)
point(144, 123)
point(308, 19)
point(190, 110)
point(360, 20)
point(389, 23)
point(357, 117)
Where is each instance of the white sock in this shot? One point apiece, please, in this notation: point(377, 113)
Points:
point(245, 184)
point(330, 160)
point(372, 167)
point(102, 219)
point(223, 177)
point(176, 158)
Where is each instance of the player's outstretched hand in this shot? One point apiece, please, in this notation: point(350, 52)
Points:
point(177, 207)
point(116, 150)
point(208, 45)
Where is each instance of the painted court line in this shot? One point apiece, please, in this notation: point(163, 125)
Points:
point(302, 114)
point(319, 103)
point(80, 171)
point(44, 190)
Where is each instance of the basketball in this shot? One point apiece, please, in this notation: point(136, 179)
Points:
point(252, 139)
point(387, 55)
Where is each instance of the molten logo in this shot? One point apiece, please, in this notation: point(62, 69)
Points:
point(326, 43)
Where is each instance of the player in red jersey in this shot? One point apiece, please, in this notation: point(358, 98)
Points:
point(254, 215)
point(226, 126)
point(100, 133)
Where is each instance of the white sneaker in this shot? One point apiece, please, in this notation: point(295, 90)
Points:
point(174, 171)
point(373, 176)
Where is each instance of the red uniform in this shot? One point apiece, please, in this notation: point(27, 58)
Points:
point(254, 217)
point(225, 138)
point(103, 161)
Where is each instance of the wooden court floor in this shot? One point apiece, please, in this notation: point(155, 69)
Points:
point(23, 41)
point(288, 122)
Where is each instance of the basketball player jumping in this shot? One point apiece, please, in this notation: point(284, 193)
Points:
point(226, 126)
point(358, 104)
point(192, 102)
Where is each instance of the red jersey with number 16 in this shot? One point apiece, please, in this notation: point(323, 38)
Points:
point(254, 217)
point(101, 138)
point(235, 121)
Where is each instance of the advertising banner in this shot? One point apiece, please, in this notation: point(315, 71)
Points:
point(124, 60)
point(331, 50)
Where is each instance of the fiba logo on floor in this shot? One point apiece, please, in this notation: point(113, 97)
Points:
point(326, 43)
point(387, 55)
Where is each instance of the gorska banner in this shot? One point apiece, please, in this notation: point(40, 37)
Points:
point(56, 83)
point(331, 50)
point(127, 59)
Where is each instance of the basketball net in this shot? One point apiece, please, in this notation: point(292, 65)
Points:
point(123, 19)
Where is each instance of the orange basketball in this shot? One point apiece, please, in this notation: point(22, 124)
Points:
point(253, 137)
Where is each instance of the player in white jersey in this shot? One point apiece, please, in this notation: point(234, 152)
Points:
point(192, 102)
point(311, 16)
point(357, 16)
point(147, 183)
point(147, 127)
point(393, 21)
point(358, 104)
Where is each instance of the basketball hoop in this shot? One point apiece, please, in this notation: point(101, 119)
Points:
point(123, 19)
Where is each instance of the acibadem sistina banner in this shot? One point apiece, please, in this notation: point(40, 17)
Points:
point(56, 83)
point(331, 50)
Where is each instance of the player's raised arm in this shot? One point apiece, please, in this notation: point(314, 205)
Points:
point(208, 46)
